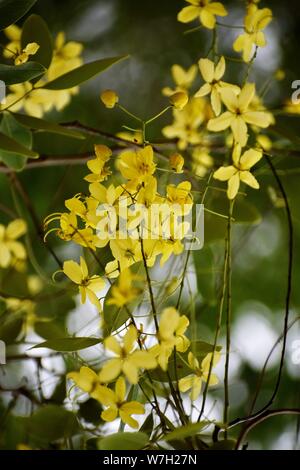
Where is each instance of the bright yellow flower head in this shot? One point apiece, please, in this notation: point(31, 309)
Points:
point(179, 99)
point(239, 171)
point(137, 165)
point(88, 285)
point(97, 166)
point(30, 49)
point(128, 360)
point(182, 78)
point(88, 381)
point(255, 21)
point(171, 331)
point(205, 10)
point(239, 114)
point(66, 57)
point(35, 103)
point(109, 98)
point(13, 33)
point(117, 405)
point(212, 75)
point(12, 250)
point(194, 381)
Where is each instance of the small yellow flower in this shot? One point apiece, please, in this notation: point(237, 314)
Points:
point(88, 285)
point(179, 99)
point(117, 405)
point(88, 381)
point(12, 250)
point(13, 33)
point(125, 251)
point(30, 49)
point(212, 75)
point(255, 21)
point(202, 161)
point(170, 335)
point(109, 98)
point(124, 292)
point(97, 166)
point(239, 114)
point(239, 171)
point(176, 162)
point(205, 10)
point(66, 57)
point(137, 165)
point(194, 381)
point(128, 360)
point(182, 78)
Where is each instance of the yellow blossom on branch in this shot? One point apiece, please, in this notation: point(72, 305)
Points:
point(239, 171)
point(205, 10)
point(194, 381)
point(11, 249)
point(183, 79)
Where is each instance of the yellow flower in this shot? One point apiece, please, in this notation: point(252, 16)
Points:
point(128, 360)
point(34, 102)
point(239, 171)
point(98, 165)
point(182, 78)
point(117, 405)
point(179, 99)
point(176, 162)
point(181, 195)
point(66, 57)
point(12, 250)
point(124, 292)
point(205, 10)
point(137, 165)
point(239, 115)
point(255, 21)
point(187, 122)
point(202, 161)
point(13, 33)
point(194, 381)
point(170, 335)
point(109, 98)
point(88, 381)
point(88, 285)
point(212, 75)
point(29, 50)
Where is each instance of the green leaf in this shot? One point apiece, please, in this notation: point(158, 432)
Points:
point(147, 426)
point(82, 74)
point(124, 441)
point(48, 330)
point(10, 329)
point(206, 279)
point(42, 125)
point(115, 317)
point(12, 10)
point(35, 29)
point(90, 411)
point(22, 137)
point(52, 422)
point(68, 344)
point(186, 431)
point(12, 74)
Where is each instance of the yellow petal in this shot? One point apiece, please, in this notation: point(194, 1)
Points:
point(207, 18)
point(120, 389)
point(110, 370)
point(203, 91)
point(110, 414)
point(188, 14)
point(229, 98)
point(207, 69)
point(233, 186)
point(221, 122)
point(144, 359)
point(257, 118)
point(220, 69)
point(186, 383)
point(112, 344)
point(73, 271)
point(216, 8)
point(250, 158)
point(239, 130)
point(168, 322)
point(16, 229)
point(130, 370)
point(246, 96)
point(216, 103)
point(127, 419)
point(130, 339)
point(249, 179)
point(133, 408)
point(224, 173)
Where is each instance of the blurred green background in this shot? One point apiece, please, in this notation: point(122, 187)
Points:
point(150, 33)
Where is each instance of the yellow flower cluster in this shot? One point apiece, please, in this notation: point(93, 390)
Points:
point(37, 102)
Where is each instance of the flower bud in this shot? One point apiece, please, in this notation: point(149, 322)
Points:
point(109, 98)
point(179, 100)
point(176, 162)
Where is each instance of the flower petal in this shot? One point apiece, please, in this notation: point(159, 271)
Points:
point(207, 69)
point(110, 414)
point(233, 186)
point(224, 173)
point(250, 158)
point(188, 14)
point(110, 370)
point(249, 179)
point(221, 122)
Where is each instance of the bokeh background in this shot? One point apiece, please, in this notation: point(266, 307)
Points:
point(150, 33)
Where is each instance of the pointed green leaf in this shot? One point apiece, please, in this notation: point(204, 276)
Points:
point(82, 74)
point(12, 74)
point(52, 422)
point(35, 29)
point(12, 10)
point(42, 125)
point(68, 344)
point(186, 431)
